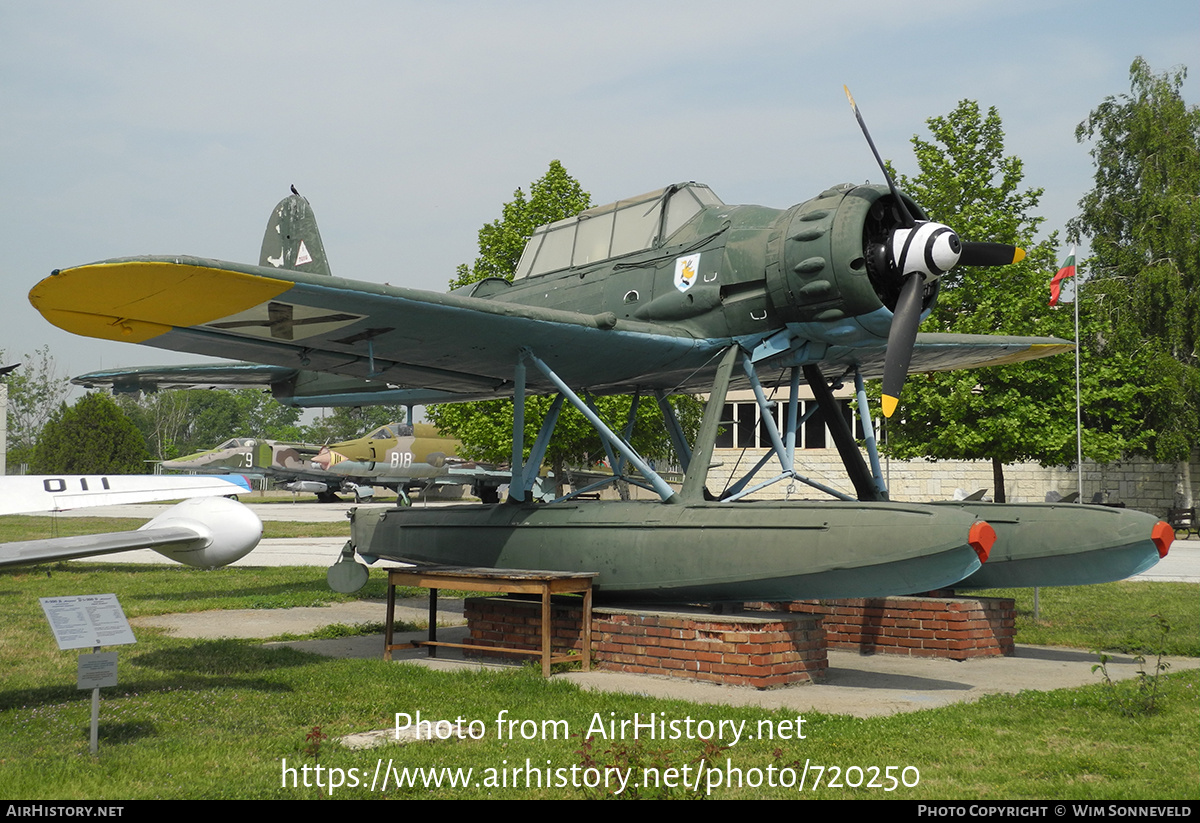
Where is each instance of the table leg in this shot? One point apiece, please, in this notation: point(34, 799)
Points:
point(587, 629)
point(432, 621)
point(546, 631)
point(391, 620)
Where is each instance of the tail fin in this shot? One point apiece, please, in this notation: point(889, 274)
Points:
point(292, 240)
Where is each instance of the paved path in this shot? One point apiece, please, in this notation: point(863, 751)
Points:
point(860, 685)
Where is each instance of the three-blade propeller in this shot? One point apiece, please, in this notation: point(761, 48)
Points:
point(917, 253)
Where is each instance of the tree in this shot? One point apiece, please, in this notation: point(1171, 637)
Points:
point(1142, 217)
point(183, 421)
point(485, 428)
point(1003, 413)
point(92, 437)
point(347, 423)
point(34, 391)
point(555, 196)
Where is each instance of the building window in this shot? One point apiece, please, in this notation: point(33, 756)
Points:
point(742, 426)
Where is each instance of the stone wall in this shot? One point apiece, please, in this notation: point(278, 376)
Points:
point(1139, 484)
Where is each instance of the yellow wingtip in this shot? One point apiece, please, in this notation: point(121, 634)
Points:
point(136, 300)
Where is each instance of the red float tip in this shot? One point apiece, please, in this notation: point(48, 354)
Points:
point(1163, 536)
point(981, 538)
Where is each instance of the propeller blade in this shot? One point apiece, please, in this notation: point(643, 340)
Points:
point(901, 338)
point(990, 254)
point(904, 215)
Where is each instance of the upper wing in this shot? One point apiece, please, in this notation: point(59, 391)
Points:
point(947, 352)
point(461, 347)
point(384, 344)
point(43, 493)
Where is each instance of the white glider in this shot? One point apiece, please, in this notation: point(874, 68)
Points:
point(206, 530)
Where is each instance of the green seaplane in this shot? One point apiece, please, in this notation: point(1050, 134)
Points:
point(668, 292)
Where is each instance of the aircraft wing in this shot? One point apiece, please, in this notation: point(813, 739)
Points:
point(420, 347)
point(89, 545)
point(462, 347)
point(44, 493)
point(206, 532)
point(200, 376)
point(948, 352)
point(379, 474)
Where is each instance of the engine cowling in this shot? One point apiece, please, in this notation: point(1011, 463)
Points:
point(832, 257)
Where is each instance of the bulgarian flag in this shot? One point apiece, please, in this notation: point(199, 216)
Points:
point(1067, 270)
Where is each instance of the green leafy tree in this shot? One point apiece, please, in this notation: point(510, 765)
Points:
point(347, 423)
point(1142, 217)
point(555, 196)
point(183, 421)
point(265, 417)
point(35, 390)
point(485, 428)
point(1004, 414)
point(91, 437)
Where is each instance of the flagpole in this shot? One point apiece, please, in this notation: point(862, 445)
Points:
point(1068, 270)
point(1079, 414)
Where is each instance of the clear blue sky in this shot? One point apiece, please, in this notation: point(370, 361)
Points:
point(161, 128)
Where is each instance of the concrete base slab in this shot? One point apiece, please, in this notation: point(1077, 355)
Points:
point(855, 684)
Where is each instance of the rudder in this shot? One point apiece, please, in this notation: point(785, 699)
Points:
point(292, 240)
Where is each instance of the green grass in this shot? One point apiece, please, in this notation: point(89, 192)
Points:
point(216, 719)
point(16, 527)
point(1110, 616)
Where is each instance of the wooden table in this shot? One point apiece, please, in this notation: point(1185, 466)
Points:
point(517, 581)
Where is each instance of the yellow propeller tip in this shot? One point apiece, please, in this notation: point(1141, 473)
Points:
point(889, 405)
point(1018, 255)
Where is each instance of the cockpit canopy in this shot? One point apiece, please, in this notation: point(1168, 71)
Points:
point(620, 228)
point(238, 443)
point(390, 432)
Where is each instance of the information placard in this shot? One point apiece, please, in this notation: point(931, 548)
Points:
point(96, 671)
point(87, 620)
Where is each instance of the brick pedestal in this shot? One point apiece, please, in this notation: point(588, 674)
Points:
point(957, 628)
point(759, 650)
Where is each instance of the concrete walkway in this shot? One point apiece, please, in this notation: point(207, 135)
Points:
point(855, 684)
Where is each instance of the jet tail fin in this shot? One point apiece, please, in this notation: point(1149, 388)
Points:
point(292, 240)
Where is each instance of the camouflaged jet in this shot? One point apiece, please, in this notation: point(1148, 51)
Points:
point(396, 456)
point(667, 292)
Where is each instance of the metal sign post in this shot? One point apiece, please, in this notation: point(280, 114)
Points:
point(90, 620)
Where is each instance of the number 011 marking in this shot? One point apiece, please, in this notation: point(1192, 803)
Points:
point(58, 484)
